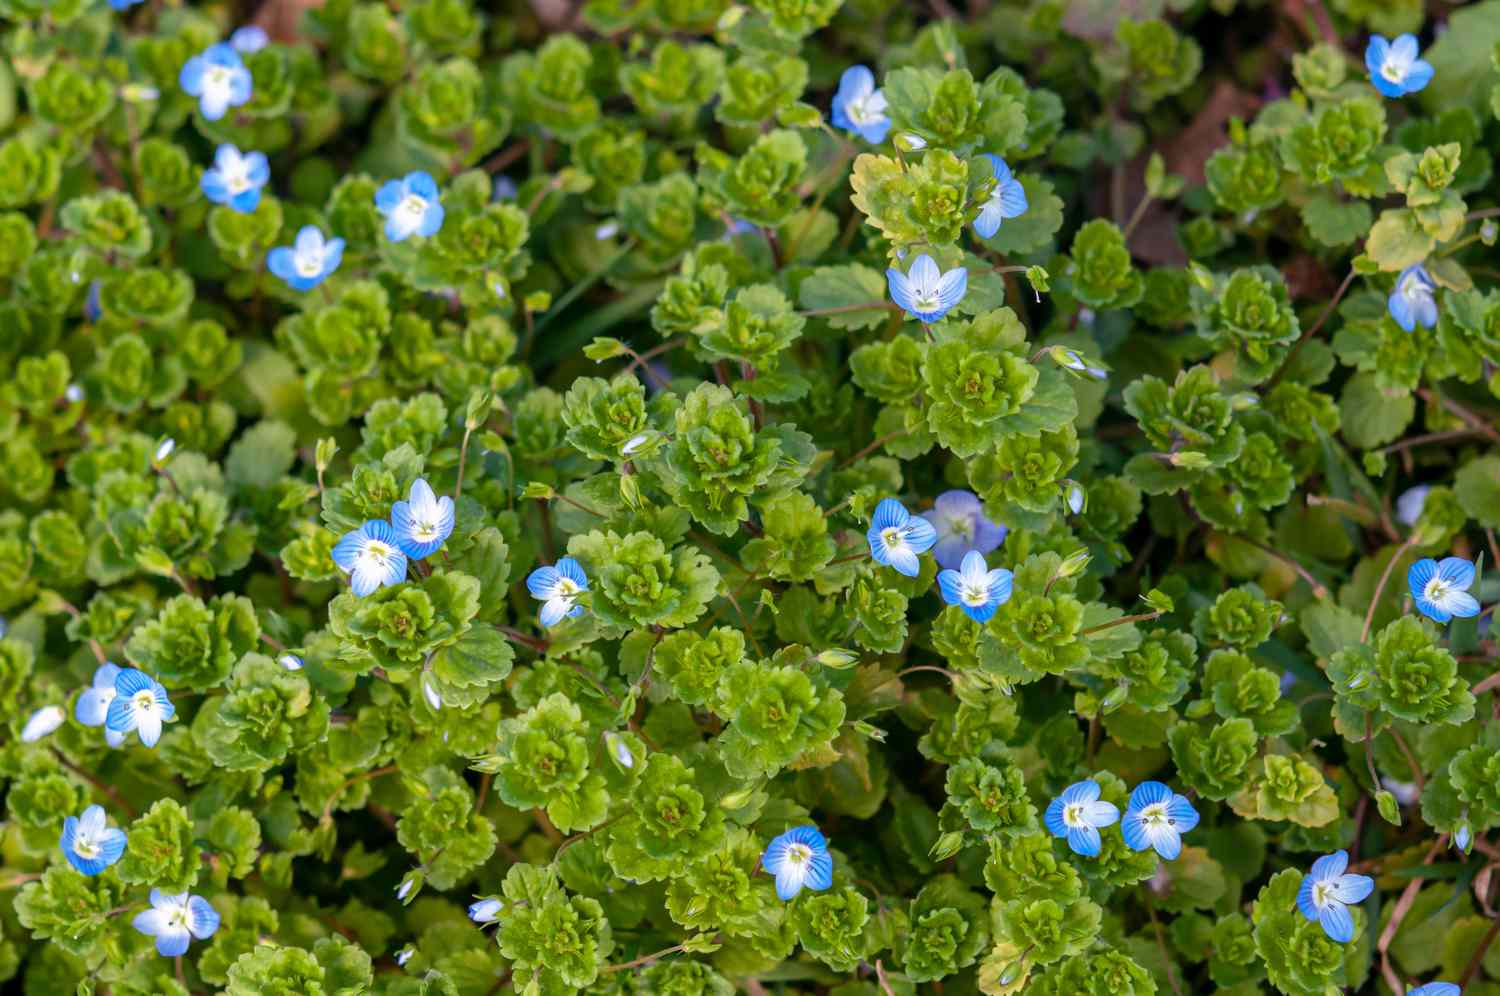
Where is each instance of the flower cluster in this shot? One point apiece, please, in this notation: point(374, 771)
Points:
point(376, 554)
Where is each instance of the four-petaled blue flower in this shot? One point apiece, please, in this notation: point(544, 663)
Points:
point(925, 292)
point(961, 525)
point(1441, 588)
point(423, 522)
point(92, 708)
point(1156, 817)
point(90, 845)
point(308, 261)
point(249, 39)
point(897, 537)
point(486, 910)
point(799, 859)
point(1435, 989)
point(371, 556)
point(558, 588)
point(218, 78)
point(1007, 201)
point(1327, 893)
point(175, 920)
point(140, 703)
point(975, 588)
point(236, 178)
point(1078, 813)
point(1412, 300)
point(410, 206)
point(1394, 67)
point(859, 107)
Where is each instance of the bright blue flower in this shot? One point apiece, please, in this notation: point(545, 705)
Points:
point(92, 708)
point(423, 522)
point(175, 920)
point(88, 844)
point(961, 525)
point(926, 293)
point(1394, 67)
point(124, 4)
point(975, 588)
point(799, 859)
point(306, 263)
point(140, 703)
point(1435, 989)
point(486, 910)
point(1327, 893)
point(218, 78)
point(1156, 817)
point(1078, 813)
point(410, 206)
point(1007, 201)
point(1441, 588)
point(859, 107)
point(43, 722)
point(371, 556)
point(236, 178)
point(1412, 300)
point(404, 955)
point(897, 537)
point(249, 39)
point(558, 588)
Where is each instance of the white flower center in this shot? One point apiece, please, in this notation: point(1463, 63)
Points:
point(858, 110)
point(84, 846)
point(143, 702)
point(565, 588)
point(892, 538)
point(961, 526)
point(975, 595)
point(1415, 290)
point(798, 853)
point(1322, 894)
point(1436, 590)
point(177, 917)
point(310, 265)
point(377, 552)
point(928, 302)
point(1073, 815)
point(1155, 815)
point(237, 180)
point(1393, 70)
point(425, 531)
point(412, 206)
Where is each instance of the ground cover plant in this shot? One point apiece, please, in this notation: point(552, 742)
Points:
point(830, 497)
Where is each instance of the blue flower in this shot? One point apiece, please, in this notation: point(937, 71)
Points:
point(218, 78)
point(1435, 989)
point(404, 955)
point(897, 537)
point(1156, 817)
point(1463, 837)
point(558, 588)
point(305, 264)
point(124, 4)
point(410, 206)
point(859, 107)
point(423, 522)
point(1007, 201)
point(486, 910)
point(43, 723)
point(88, 844)
point(961, 525)
point(925, 293)
point(140, 703)
point(236, 178)
point(1412, 301)
point(290, 661)
point(249, 39)
point(371, 556)
point(1078, 814)
point(1409, 506)
point(92, 707)
point(799, 859)
point(1441, 588)
point(1327, 893)
point(175, 920)
point(1394, 67)
point(975, 588)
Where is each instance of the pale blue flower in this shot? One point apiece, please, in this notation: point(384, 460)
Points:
point(859, 107)
point(308, 261)
point(1327, 893)
point(164, 451)
point(423, 522)
point(1007, 201)
point(1463, 837)
point(89, 844)
point(174, 920)
point(124, 4)
point(92, 707)
point(1440, 589)
point(1394, 67)
point(925, 292)
point(140, 704)
point(218, 78)
point(619, 750)
point(1412, 300)
point(371, 556)
point(411, 207)
point(1078, 813)
point(1435, 989)
point(404, 955)
point(486, 910)
point(290, 661)
point(250, 38)
point(975, 588)
point(1409, 506)
point(43, 723)
point(1156, 817)
point(558, 588)
point(961, 525)
point(236, 178)
point(799, 859)
point(897, 537)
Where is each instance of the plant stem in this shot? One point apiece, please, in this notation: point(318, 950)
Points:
point(108, 790)
point(1312, 330)
point(874, 446)
point(1138, 617)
